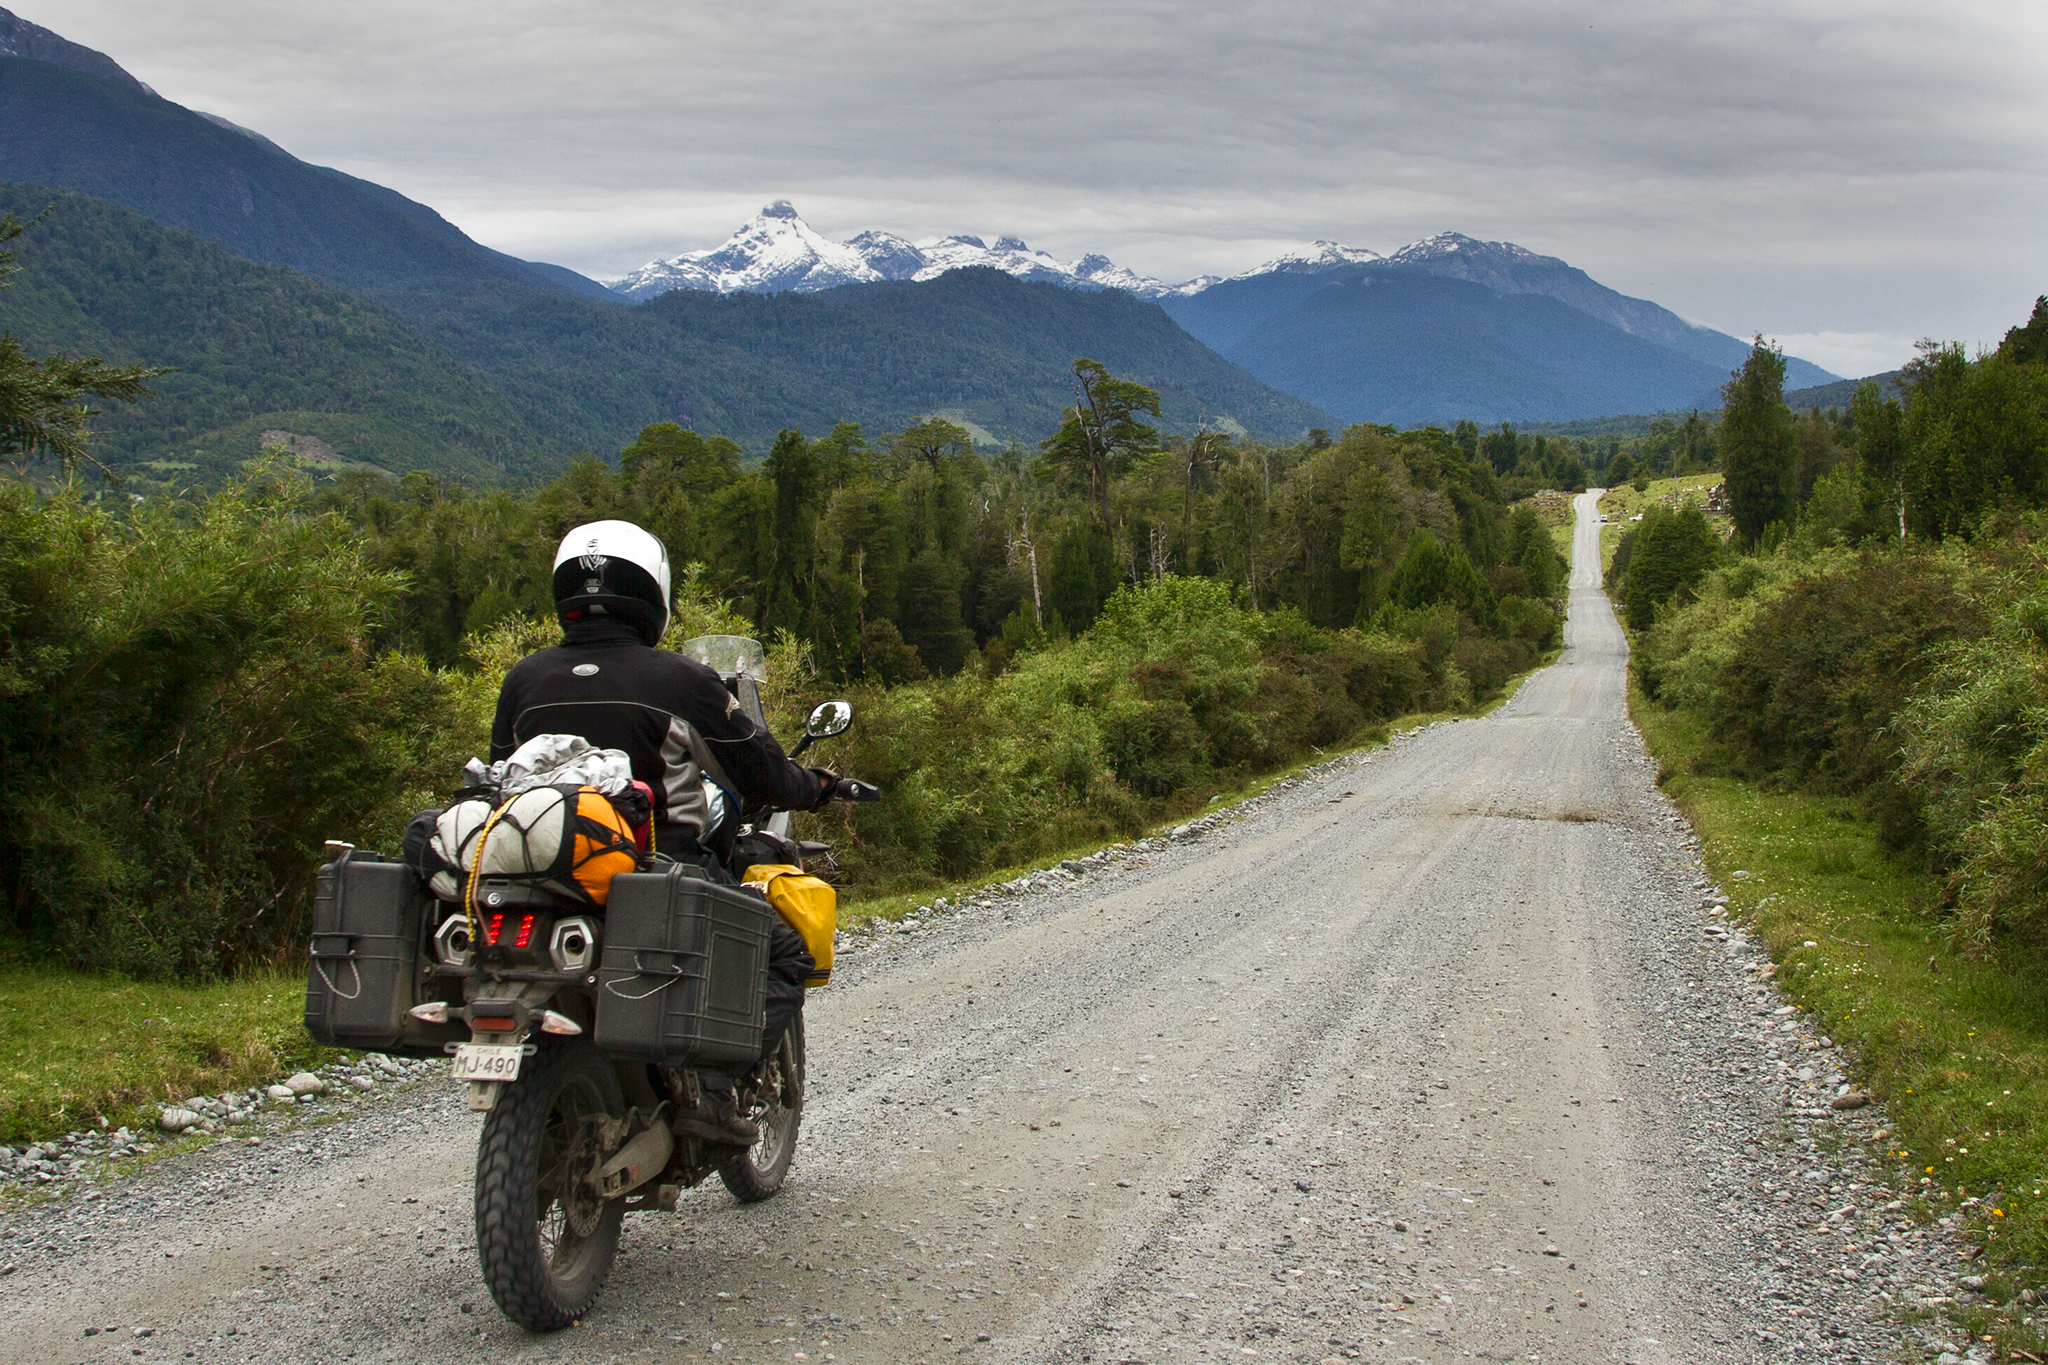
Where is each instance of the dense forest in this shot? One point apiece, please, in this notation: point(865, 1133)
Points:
point(912, 554)
point(1044, 647)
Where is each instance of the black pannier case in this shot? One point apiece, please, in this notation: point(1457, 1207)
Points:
point(370, 922)
point(682, 979)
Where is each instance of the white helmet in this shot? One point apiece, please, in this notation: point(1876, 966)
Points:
point(613, 569)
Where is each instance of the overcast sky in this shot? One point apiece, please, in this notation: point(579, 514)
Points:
point(1847, 177)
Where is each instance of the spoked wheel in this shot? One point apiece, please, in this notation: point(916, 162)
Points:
point(545, 1239)
point(774, 1099)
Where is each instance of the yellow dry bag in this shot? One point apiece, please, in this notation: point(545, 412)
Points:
point(807, 905)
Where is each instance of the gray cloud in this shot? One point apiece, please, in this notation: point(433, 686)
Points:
point(1870, 171)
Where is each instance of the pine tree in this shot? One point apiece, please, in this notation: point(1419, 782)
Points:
point(931, 612)
point(1759, 448)
point(793, 467)
point(1075, 591)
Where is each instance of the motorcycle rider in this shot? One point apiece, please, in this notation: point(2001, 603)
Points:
point(688, 738)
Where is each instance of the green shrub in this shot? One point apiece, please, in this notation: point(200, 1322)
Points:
point(1432, 572)
point(188, 708)
point(1811, 690)
point(1974, 748)
point(1154, 747)
point(1177, 689)
point(1668, 553)
point(1680, 661)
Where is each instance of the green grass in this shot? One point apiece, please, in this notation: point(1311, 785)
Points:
point(77, 1049)
point(1956, 1046)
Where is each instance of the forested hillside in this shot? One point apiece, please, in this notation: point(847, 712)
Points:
point(583, 367)
point(257, 348)
point(517, 381)
point(975, 345)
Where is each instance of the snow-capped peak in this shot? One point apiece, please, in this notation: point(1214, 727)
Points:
point(1449, 244)
point(778, 251)
point(1008, 255)
point(1314, 260)
point(774, 252)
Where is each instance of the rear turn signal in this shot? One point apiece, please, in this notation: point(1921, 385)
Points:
point(434, 1012)
point(550, 1022)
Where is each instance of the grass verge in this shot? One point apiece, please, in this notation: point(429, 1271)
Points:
point(79, 1051)
point(1957, 1047)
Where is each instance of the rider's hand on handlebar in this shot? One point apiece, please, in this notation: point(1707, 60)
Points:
point(827, 780)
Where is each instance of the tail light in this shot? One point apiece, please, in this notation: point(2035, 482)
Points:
point(517, 930)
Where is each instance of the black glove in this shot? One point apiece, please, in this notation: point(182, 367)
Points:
point(827, 780)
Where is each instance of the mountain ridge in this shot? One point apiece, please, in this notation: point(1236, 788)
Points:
point(1412, 348)
point(116, 140)
point(1225, 313)
point(561, 344)
point(257, 349)
point(506, 393)
point(20, 38)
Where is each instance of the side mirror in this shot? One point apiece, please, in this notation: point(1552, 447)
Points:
point(829, 719)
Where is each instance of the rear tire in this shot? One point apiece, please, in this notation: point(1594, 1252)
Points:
point(758, 1172)
point(545, 1240)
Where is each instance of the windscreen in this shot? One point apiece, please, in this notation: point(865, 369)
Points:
point(729, 654)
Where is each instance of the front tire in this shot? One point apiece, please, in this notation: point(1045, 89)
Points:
point(774, 1100)
point(545, 1239)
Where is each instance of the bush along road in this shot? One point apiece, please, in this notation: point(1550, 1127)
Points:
point(1445, 1050)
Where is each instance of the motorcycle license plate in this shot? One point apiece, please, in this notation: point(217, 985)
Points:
point(487, 1062)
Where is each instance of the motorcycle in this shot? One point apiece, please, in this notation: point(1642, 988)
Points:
point(520, 988)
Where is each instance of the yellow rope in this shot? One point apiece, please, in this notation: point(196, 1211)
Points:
point(476, 937)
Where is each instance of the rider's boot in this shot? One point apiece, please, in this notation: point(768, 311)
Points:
point(717, 1118)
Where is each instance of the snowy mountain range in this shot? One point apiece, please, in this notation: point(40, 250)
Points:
point(778, 252)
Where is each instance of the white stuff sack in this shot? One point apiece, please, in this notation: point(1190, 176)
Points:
point(530, 838)
point(454, 843)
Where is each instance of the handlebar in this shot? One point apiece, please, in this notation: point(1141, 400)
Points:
point(853, 789)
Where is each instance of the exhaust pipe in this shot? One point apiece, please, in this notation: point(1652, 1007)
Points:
point(636, 1163)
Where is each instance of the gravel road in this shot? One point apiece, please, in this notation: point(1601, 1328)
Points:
point(1440, 1052)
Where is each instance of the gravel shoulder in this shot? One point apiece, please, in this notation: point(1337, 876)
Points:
point(1438, 1052)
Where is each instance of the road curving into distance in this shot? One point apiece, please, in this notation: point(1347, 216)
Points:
point(1436, 1054)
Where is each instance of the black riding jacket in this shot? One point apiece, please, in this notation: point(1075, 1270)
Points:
point(671, 715)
